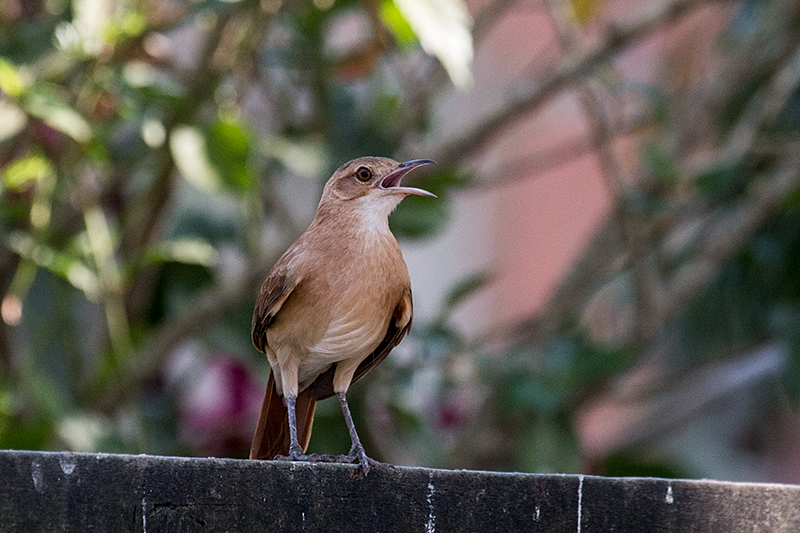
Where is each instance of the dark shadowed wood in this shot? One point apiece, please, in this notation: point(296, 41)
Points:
point(96, 492)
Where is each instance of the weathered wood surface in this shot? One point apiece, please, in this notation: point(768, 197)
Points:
point(42, 491)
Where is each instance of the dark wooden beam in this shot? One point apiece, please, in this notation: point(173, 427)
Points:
point(42, 491)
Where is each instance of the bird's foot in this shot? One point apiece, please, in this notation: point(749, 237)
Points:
point(298, 455)
point(358, 456)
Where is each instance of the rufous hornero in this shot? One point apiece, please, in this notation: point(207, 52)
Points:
point(333, 307)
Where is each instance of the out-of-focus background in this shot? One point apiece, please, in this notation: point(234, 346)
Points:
point(609, 282)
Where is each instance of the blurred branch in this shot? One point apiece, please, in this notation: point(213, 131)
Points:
point(732, 227)
point(626, 423)
point(616, 38)
point(565, 152)
point(728, 228)
point(146, 213)
point(108, 272)
point(725, 236)
point(607, 255)
point(776, 40)
point(764, 107)
point(626, 216)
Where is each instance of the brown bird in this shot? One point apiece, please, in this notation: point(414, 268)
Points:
point(333, 306)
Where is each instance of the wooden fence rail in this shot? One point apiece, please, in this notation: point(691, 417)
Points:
point(47, 491)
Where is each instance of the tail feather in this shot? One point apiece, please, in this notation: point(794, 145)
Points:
point(272, 432)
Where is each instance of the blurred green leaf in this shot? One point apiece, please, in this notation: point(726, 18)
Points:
point(306, 158)
point(583, 10)
point(464, 289)
point(25, 170)
point(596, 363)
point(527, 392)
point(397, 24)
point(190, 151)
point(721, 180)
point(418, 216)
point(131, 24)
point(186, 251)
point(229, 146)
point(631, 464)
point(550, 445)
point(58, 115)
point(68, 267)
point(12, 120)
point(12, 81)
point(24, 434)
point(660, 164)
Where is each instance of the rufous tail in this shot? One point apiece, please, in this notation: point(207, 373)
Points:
point(272, 432)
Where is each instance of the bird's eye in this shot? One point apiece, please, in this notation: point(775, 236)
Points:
point(363, 174)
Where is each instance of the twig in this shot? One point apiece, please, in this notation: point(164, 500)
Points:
point(726, 235)
point(755, 57)
point(763, 108)
point(200, 84)
point(531, 165)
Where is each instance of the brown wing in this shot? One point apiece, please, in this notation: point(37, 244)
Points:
point(399, 325)
point(271, 436)
point(280, 283)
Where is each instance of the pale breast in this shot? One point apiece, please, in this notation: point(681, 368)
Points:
point(350, 336)
point(342, 308)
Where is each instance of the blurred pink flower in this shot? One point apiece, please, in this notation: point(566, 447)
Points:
point(219, 408)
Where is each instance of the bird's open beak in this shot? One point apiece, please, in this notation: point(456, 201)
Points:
point(391, 183)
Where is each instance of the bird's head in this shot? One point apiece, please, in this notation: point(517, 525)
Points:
point(371, 185)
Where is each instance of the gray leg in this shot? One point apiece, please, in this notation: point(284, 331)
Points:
point(357, 453)
point(295, 450)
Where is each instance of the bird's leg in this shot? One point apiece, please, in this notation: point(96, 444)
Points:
point(295, 450)
point(357, 453)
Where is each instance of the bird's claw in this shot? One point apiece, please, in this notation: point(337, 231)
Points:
point(358, 456)
point(296, 455)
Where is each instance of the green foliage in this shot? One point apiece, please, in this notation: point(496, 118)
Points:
point(152, 165)
point(230, 147)
point(464, 289)
point(139, 173)
point(722, 180)
point(660, 165)
point(630, 464)
point(397, 24)
point(25, 170)
point(418, 216)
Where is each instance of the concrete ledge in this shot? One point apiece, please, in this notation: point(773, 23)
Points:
point(42, 491)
